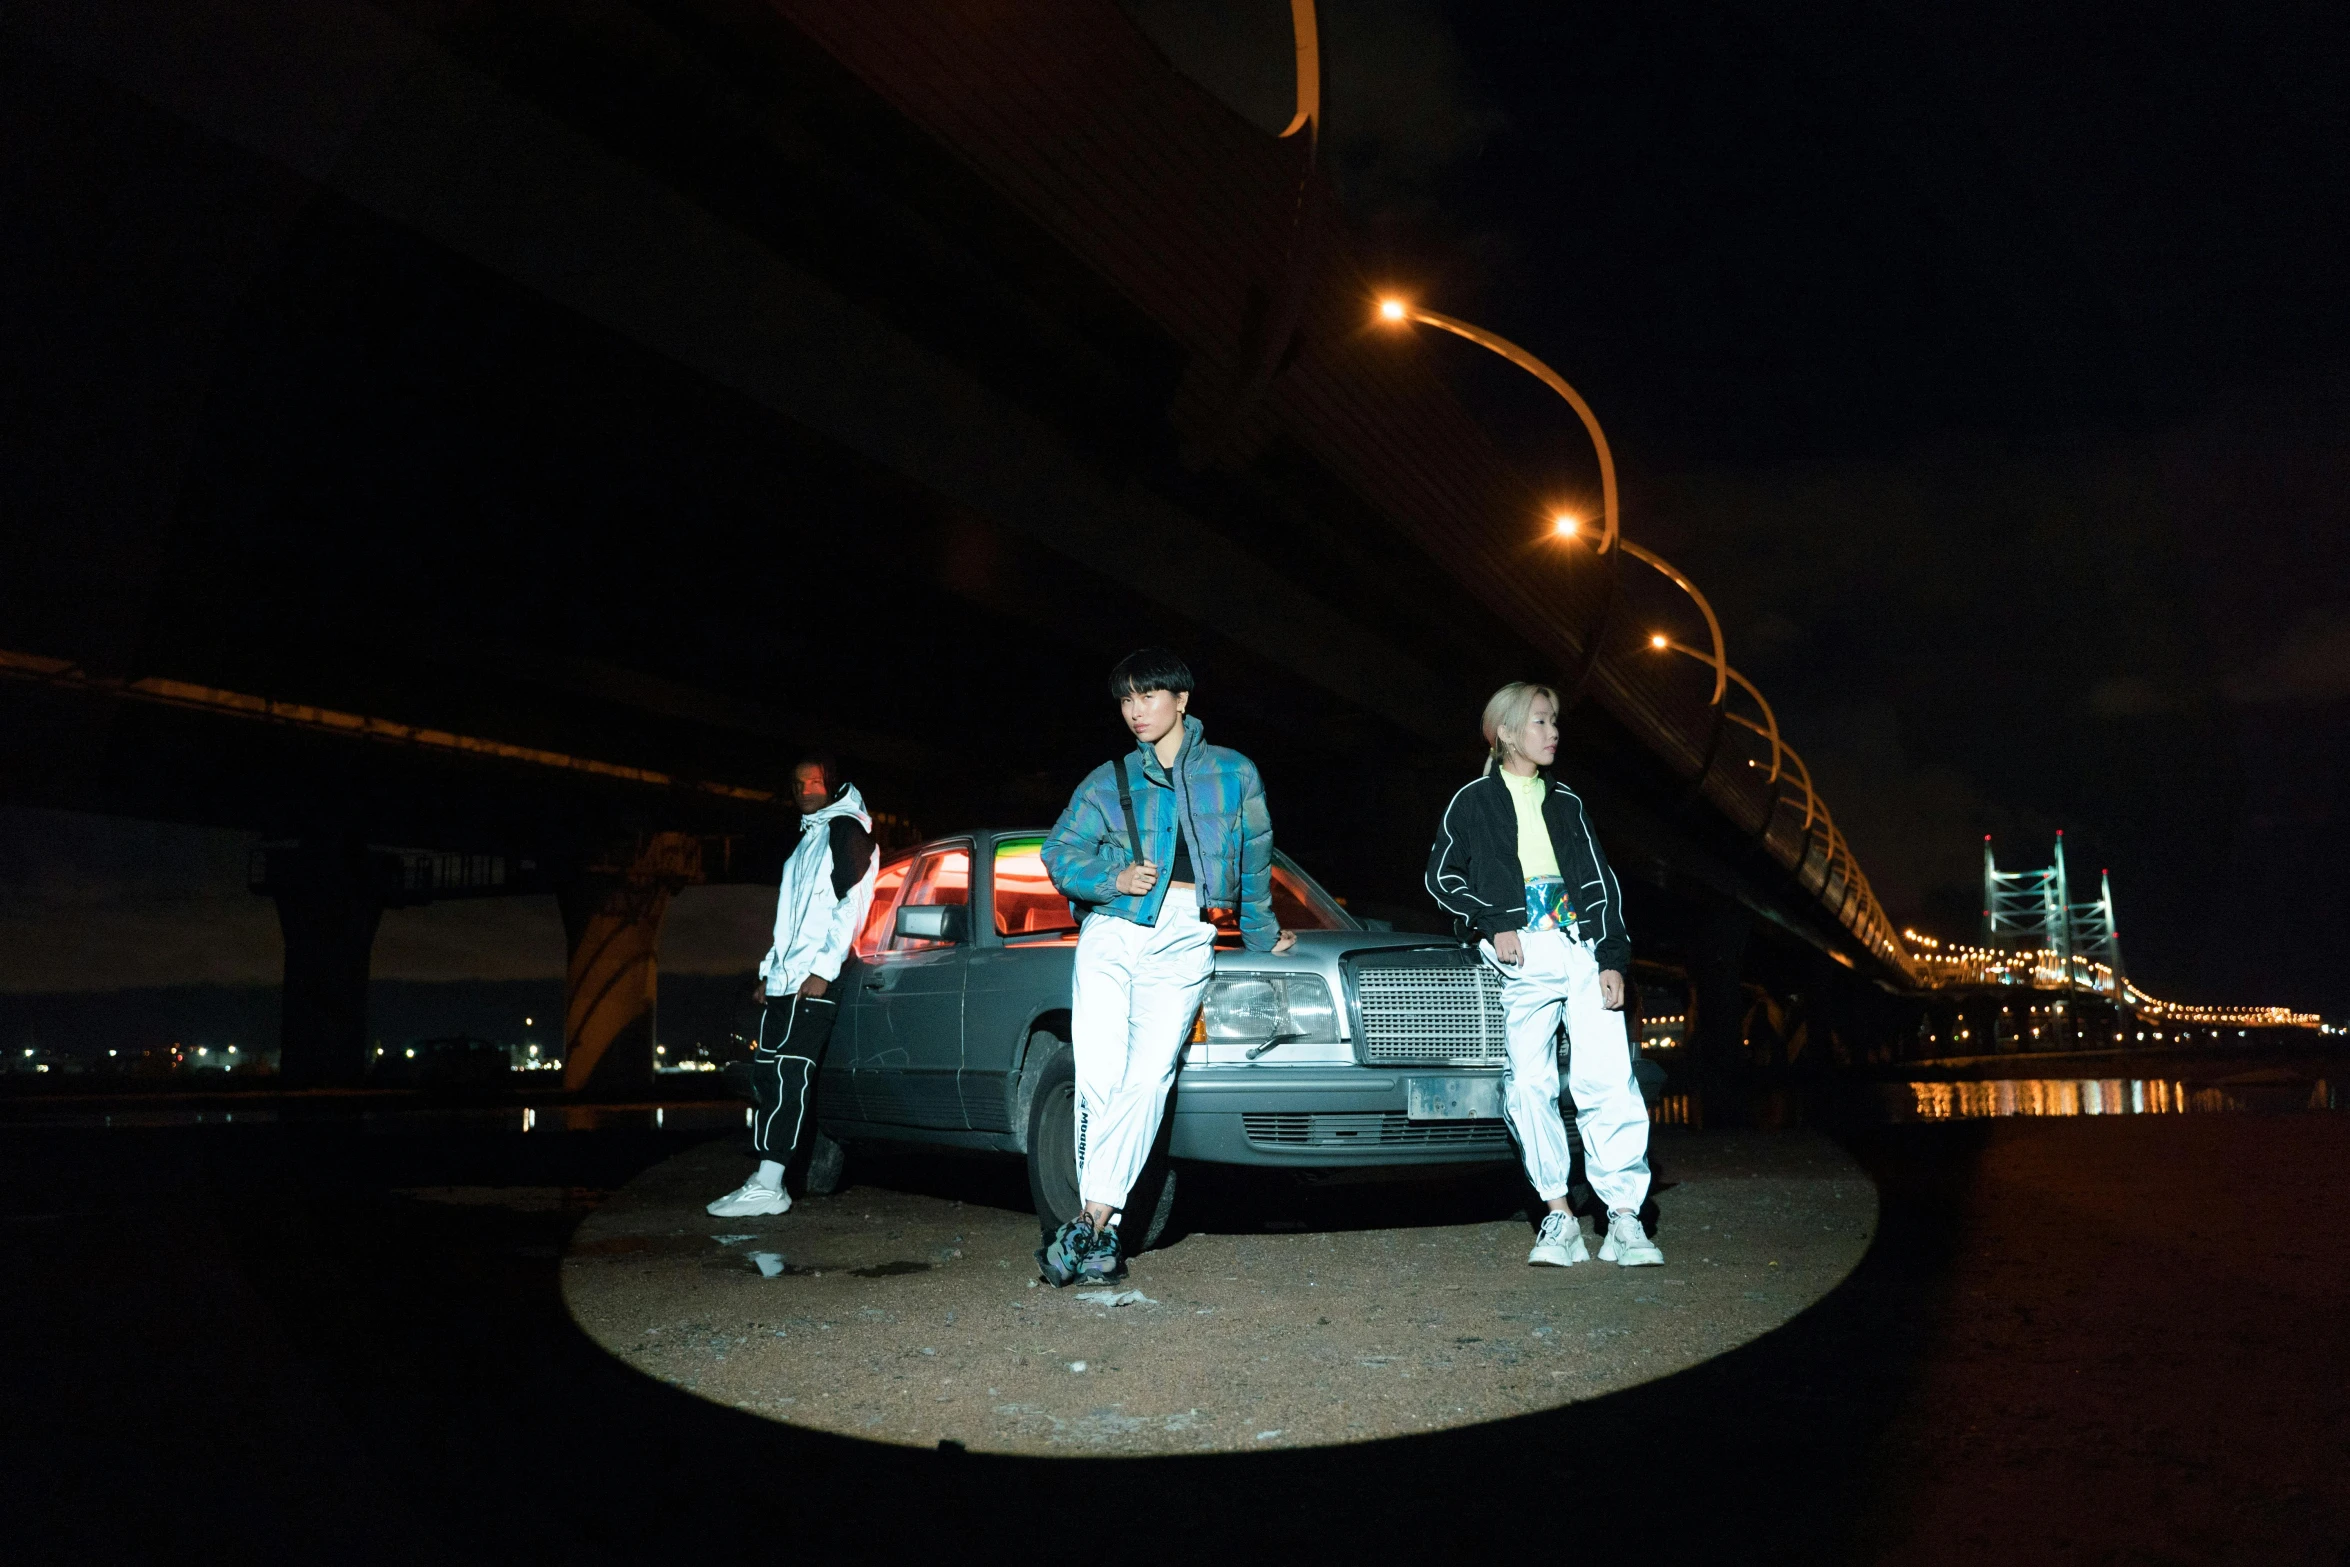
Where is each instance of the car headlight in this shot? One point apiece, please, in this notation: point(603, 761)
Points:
point(1253, 1008)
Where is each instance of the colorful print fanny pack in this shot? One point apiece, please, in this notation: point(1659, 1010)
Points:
point(1547, 905)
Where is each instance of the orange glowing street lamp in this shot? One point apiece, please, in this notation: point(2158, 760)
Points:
point(1713, 626)
point(1768, 728)
point(1565, 525)
point(1399, 312)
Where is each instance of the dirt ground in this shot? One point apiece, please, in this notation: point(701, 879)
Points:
point(2080, 1340)
point(2141, 1353)
point(1337, 1315)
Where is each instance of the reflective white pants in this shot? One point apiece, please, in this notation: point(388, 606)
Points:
point(1136, 991)
point(1611, 1118)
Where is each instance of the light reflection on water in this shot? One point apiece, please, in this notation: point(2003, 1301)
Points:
point(2098, 1096)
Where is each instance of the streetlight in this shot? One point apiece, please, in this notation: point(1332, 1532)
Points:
point(1768, 728)
point(1399, 311)
point(1308, 40)
point(1713, 626)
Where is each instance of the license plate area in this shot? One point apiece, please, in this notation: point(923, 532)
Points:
point(1454, 1098)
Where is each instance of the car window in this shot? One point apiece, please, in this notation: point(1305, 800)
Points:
point(1026, 901)
point(1298, 904)
point(941, 876)
point(881, 915)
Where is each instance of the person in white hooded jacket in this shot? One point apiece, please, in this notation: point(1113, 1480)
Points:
point(827, 886)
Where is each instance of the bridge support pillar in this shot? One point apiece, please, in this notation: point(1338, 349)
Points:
point(612, 924)
point(329, 896)
point(1717, 973)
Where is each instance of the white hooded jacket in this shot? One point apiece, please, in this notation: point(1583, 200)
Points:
point(816, 916)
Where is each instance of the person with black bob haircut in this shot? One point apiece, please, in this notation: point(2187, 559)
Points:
point(1149, 845)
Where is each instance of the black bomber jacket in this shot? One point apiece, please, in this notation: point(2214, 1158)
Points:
point(1473, 870)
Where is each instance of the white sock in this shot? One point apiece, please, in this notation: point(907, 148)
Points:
point(770, 1175)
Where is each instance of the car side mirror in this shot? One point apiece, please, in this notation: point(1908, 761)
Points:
point(935, 921)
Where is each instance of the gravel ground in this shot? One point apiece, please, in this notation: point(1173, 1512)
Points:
point(1298, 1316)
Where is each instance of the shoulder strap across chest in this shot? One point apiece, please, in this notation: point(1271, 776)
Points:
point(1126, 807)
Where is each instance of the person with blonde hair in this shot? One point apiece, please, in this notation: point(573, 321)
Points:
point(1520, 870)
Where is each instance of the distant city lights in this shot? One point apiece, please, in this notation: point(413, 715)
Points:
point(1944, 964)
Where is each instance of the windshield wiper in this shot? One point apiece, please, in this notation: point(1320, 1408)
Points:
point(1277, 1039)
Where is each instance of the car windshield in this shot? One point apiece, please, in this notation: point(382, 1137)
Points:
point(1299, 902)
point(1027, 903)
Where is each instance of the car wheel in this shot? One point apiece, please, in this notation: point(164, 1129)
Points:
point(1052, 1142)
point(828, 1163)
point(1052, 1163)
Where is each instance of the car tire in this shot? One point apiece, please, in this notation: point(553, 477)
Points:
point(1052, 1162)
point(828, 1164)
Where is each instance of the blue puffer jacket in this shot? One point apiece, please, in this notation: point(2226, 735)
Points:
point(1222, 804)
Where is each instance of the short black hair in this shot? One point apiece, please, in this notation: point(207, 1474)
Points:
point(1149, 669)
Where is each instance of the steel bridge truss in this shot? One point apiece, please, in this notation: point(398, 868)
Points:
point(2033, 911)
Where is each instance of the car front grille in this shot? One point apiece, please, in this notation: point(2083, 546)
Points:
point(1368, 1129)
point(1430, 1006)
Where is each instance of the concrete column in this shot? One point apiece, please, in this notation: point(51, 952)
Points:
point(1716, 971)
point(330, 899)
point(612, 923)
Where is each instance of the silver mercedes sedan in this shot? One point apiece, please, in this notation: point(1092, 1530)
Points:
point(1358, 1047)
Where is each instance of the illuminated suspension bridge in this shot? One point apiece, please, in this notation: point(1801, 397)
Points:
point(2036, 937)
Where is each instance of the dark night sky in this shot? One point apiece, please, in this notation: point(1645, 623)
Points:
point(1989, 365)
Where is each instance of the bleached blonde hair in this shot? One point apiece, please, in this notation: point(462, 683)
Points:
point(1506, 712)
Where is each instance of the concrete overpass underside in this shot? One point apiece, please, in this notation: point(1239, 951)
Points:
point(525, 432)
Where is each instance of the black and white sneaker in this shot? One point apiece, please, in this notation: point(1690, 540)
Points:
point(1103, 1263)
point(1062, 1259)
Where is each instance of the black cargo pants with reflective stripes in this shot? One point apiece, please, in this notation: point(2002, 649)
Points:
point(792, 1033)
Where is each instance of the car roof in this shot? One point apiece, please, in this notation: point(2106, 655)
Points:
point(999, 834)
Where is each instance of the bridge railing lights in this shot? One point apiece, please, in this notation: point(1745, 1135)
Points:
point(1855, 901)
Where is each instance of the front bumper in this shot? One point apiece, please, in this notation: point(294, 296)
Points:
point(1321, 1116)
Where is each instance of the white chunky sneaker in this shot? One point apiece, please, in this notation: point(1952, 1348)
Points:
point(1560, 1243)
point(1627, 1244)
point(750, 1200)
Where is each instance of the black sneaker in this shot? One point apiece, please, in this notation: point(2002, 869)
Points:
point(1062, 1259)
point(1102, 1263)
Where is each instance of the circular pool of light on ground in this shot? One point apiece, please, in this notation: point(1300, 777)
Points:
point(903, 1314)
